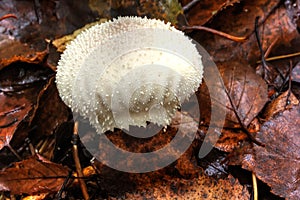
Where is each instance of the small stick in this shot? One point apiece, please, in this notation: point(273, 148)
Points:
point(77, 163)
point(188, 6)
point(290, 85)
point(269, 49)
point(220, 33)
point(255, 191)
point(281, 57)
point(8, 16)
point(14, 152)
point(263, 60)
point(59, 193)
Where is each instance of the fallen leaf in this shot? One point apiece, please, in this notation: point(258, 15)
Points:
point(164, 184)
point(164, 10)
point(62, 42)
point(296, 73)
point(33, 176)
point(278, 163)
point(202, 187)
point(284, 101)
point(203, 11)
point(248, 92)
point(19, 86)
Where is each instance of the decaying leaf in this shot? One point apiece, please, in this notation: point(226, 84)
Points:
point(278, 163)
point(203, 11)
point(164, 184)
point(296, 73)
point(247, 90)
point(164, 10)
point(284, 101)
point(202, 187)
point(230, 139)
point(30, 104)
point(20, 83)
point(33, 176)
point(62, 42)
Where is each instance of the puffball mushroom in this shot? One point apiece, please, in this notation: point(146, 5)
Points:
point(128, 71)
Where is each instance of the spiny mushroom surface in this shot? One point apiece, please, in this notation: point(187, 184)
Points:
point(128, 71)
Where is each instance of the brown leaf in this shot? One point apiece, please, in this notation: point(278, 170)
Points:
point(183, 126)
point(296, 73)
point(278, 163)
point(202, 187)
point(33, 176)
point(50, 111)
point(19, 86)
point(230, 139)
point(204, 11)
point(164, 10)
point(280, 104)
point(247, 90)
point(239, 20)
point(42, 20)
point(29, 100)
point(164, 184)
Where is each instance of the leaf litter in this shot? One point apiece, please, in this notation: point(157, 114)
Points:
point(272, 118)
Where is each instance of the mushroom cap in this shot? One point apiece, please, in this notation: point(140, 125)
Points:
point(128, 71)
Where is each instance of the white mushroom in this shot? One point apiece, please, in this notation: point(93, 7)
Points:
point(128, 71)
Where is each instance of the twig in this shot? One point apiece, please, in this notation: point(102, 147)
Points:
point(77, 163)
point(290, 85)
point(188, 6)
point(220, 33)
point(59, 193)
point(281, 57)
point(269, 49)
point(255, 192)
point(8, 16)
point(9, 124)
point(14, 152)
point(263, 59)
point(37, 10)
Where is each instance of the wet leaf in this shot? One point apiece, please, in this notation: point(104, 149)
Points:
point(284, 101)
point(296, 73)
point(31, 106)
point(164, 184)
point(277, 164)
point(40, 20)
point(20, 84)
point(33, 176)
point(242, 24)
point(164, 9)
point(230, 139)
point(203, 11)
point(202, 187)
point(247, 90)
point(50, 112)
